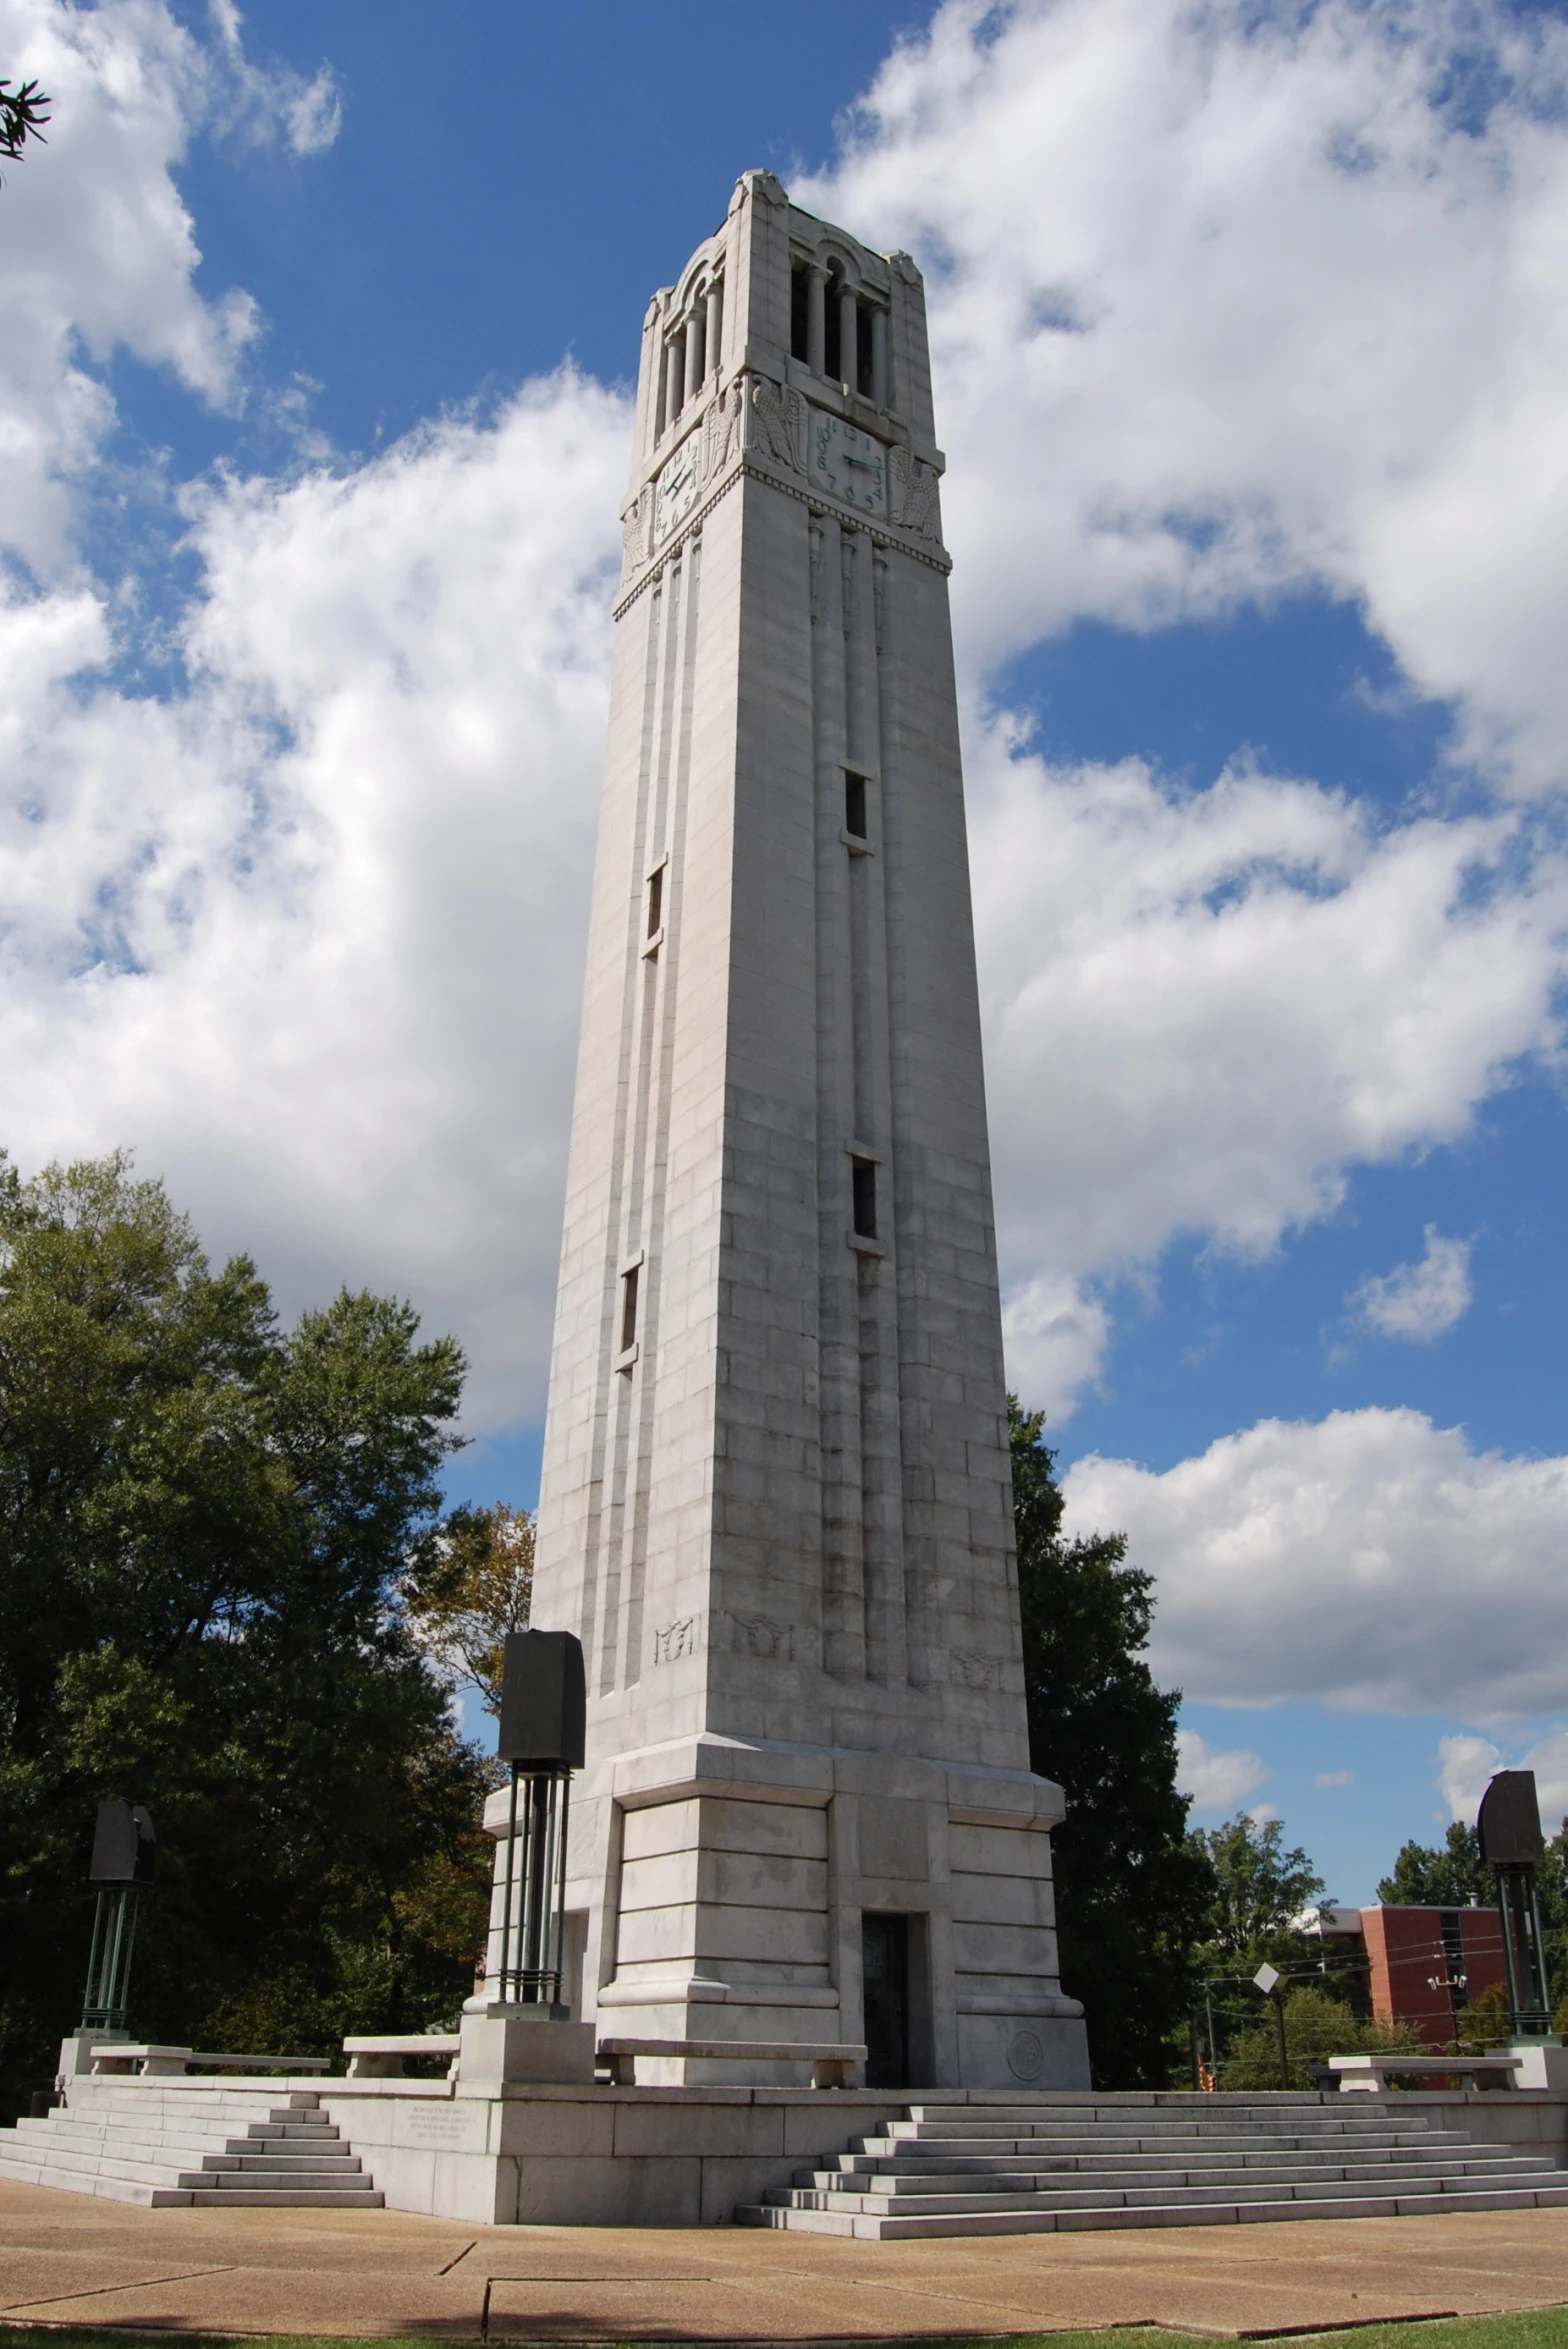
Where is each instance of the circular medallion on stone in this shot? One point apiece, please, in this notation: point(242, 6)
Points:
point(1026, 2055)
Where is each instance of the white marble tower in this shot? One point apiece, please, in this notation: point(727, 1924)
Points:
point(776, 1504)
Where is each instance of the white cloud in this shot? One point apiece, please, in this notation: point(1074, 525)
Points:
point(1370, 1561)
point(1465, 1766)
point(1202, 1009)
point(1227, 300)
point(309, 932)
point(1467, 1762)
point(268, 101)
point(1054, 1334)
point(1326, 1779)
point(1215, 1781)
point(1419, 1301)
point(99, 252)
point(309, 936)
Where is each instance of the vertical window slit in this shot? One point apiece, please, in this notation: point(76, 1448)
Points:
point(863, 1175)
point(655, 901)
point(854, 803)
point(831, 334)
point(799, 312)
point(629, 1283)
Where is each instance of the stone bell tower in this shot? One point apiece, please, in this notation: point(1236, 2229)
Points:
point(776, 1504)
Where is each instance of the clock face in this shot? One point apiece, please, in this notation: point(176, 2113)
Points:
point(847, 462)
point(677, 488)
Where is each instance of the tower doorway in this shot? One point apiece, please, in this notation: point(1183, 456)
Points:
point(885, 1981)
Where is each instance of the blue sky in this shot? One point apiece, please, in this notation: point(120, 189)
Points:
point(1250, 358)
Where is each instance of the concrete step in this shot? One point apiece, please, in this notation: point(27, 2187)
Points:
point(1263, 2177)
point(1132, 2163)
point(279, 2157)
point(897, 2227)
point(289, 2199)
point(1035, 2157)
point(282, 2165)
point(72, 2162)
point(1163, 2196)
point(1375, 2133)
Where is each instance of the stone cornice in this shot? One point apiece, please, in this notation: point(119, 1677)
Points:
point(751, 467)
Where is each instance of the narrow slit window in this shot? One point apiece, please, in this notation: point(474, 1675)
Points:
point(831, 320)
point(863, 373)
point(655, 901)
point(854, 803)
point(629, 1284)
point(799, 311)
point(863, 1175)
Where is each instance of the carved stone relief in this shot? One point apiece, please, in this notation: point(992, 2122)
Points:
point(634, 531)
point(1026, 2055)
point(778, 422)
point(726, 427)
point(972, 1671)
point(757, 1635)
point(676, 1640)
point(913, 486)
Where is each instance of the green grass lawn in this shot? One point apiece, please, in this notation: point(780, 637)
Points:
point(1544, 2328)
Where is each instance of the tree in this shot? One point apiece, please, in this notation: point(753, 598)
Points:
point(1258, 1888)
point(1132, 1893)
point(202, 1523)
point(1451, 1877)
point(469, 1583)
point(22, 116)
point(1317, 2025)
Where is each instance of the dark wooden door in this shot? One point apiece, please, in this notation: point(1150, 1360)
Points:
point(885, 1975)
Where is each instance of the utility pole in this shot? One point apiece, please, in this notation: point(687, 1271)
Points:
point(1269, 1982)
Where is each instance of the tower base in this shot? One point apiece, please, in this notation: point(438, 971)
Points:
point(766, 1892)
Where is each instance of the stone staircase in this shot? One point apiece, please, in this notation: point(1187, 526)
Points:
point(1124, 2162)
point(132, 2142)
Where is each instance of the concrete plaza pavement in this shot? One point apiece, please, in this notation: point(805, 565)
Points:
point(68, 2259)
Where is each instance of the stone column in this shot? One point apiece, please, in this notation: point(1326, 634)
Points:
point(816, 318)
point(848, 340)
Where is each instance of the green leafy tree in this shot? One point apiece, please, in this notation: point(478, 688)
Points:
point(1317, 2025)
point(1259, 1887)
point(203, 1519)
point(23, 113)
point(469, 1583)
point(1488, 2020)
point(1132, 1892)
point(1450, 1877)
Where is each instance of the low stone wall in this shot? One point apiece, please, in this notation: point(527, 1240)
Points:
point(684, 2157)
point(628, 2157)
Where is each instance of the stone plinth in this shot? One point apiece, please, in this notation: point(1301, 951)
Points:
point(515, 2043)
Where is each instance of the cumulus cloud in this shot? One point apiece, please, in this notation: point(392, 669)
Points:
point(1370, 1561)
point(1215, 1781)
point(1420, 1301)
point(308, 930)
point(1202, 1008)
point(309, 935)
point(1054, 1333)
point(1227, 300)
point(1467, 1762)
point(99, 253)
